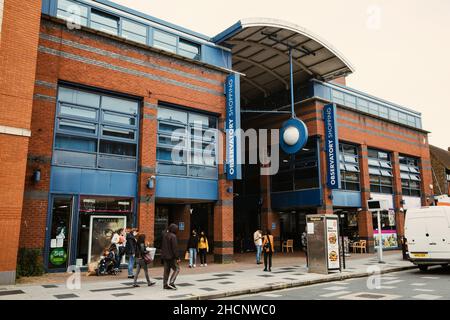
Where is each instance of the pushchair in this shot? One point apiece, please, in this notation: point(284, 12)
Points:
point(107, 264)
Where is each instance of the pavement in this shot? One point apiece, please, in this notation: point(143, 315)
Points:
point(211, 282)
point(404, 285)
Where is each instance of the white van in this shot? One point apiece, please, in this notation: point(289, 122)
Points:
point(427, 232)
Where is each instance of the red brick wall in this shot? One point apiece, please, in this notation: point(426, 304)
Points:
point(74, 56)
point(18, 52)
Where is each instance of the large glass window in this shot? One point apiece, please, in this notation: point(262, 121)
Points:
point(186, 143)
point(60, 235)
point(104, 22)
point(72, 12)
point(349, 166)
point(410, 175)
point(95, 130)
point(189, 49)
point(380, 171)
point(297, 172)
point(165, 41)
point(134, 31)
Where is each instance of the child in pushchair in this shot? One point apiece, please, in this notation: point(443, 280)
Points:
point(106, 264)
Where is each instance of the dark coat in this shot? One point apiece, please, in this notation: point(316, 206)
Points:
point(193, 242)
point(140, 250)
point(130, 246)
point(169, 244)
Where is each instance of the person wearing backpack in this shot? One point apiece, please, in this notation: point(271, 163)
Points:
point(140, 260)
point(268, 250)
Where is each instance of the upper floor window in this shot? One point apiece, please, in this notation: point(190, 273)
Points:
point(95, 130)
point(380, 171)
point(72, 12)
point(134, 31)
point(349, 167)
point(104, 22)
point(165, 41)
point(189, 49)
point(410, 175)
point(187, 143)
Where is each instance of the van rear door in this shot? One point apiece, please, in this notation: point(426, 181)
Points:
point(415, 232)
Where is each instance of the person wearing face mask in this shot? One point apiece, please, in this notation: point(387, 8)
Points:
point(130, 250)
point(203, 248)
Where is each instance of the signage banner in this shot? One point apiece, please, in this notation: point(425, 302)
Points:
point(388, 239)
point(232, 126)
point(332, 147)
point(332, 244)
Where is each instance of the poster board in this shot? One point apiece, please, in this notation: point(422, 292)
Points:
point(102, 228)
point(332, 240)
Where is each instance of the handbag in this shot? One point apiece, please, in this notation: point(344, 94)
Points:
point(186, 255)
point(149, 255)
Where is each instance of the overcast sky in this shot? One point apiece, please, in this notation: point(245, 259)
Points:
point(400, 49)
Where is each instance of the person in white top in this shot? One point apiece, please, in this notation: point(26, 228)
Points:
point(257, 238)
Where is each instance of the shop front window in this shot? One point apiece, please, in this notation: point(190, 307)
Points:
point(99, 219)
point(388, 229)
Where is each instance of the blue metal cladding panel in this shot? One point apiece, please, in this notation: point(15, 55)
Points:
point(299, 198)
point(320, 90)
point(46, 6)
point(95, 182)
point(186, 188)
point(346, 198)
point(216, 56)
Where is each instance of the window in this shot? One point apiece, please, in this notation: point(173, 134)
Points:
point(189, 49)
point(134, 31)
point(338, 97)
point(72, 12)
point(380, 171)
point(95, 131)
point(164, 41)
point(349, 164)
point(186, 143)
point(298, 173)
point(410, 175)
point(104, 22)
point(363, 105)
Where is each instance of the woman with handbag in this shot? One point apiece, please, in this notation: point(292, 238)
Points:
point(268, 250)
point(203, 248)
point(141, 260)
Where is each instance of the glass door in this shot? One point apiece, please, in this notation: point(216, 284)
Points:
point(60, 232)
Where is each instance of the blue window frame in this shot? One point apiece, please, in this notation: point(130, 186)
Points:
point(186, 143)
point(380, 171)
point(410, 175)
point(349, 167)
point(95, 130)
point(84, 15)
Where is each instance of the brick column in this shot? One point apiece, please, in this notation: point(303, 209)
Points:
point(365, 225)
point(181, 213)
point(18, 55)
point(223, 224)
point(269, 218)
point(147, 151)
point(399, 215)
point(427, 180)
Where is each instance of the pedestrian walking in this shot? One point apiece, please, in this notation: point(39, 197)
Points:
point(140, 251)
point(257, 238)
point(118, 240)
point(170, 257)
point(203, 248)
point(304, 241)
point(268, 249)
point(192, 248)
point(130, 250)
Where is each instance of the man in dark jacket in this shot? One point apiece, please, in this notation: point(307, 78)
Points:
point(130, 250)
point(170, 256)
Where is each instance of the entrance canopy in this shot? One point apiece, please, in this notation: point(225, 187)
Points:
point(260, 50)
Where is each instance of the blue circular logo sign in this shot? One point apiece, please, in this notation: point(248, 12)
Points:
point(293, 135)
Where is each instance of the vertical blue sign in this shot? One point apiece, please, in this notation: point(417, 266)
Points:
point(232, 126)
point(332, 147)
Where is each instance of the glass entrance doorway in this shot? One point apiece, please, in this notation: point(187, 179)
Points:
point(60, 233)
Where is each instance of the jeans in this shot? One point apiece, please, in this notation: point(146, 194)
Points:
point(168, 265)
point(258, 253)
point(192, 256)
point(141, 264)
point(202, 253)
point(130, 264)
point(267, 256)
point(118, 260)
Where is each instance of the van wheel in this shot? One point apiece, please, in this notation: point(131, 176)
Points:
point(423, 268)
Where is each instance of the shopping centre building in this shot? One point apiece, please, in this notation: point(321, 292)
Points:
point(96, 99)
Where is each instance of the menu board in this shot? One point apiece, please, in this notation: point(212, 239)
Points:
point(332, 244)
